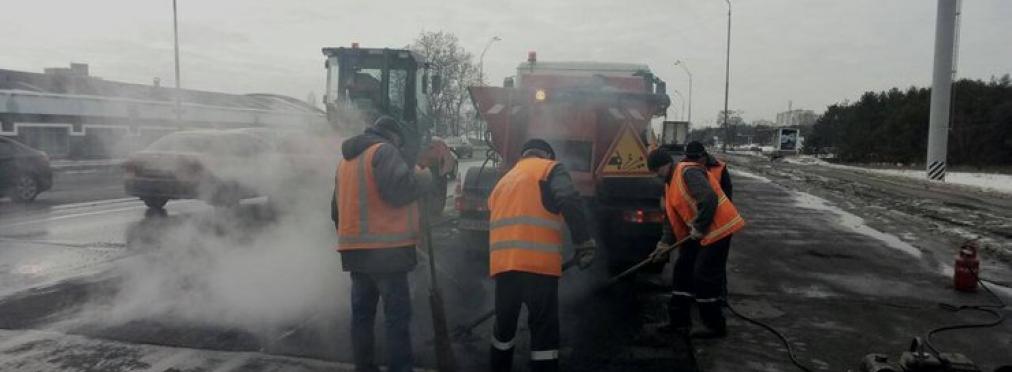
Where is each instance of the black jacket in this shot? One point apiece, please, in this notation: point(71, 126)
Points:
point(559, 195)
point(397, 186)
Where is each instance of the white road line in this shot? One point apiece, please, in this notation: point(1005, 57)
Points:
point(75, 215)
point(94, 203)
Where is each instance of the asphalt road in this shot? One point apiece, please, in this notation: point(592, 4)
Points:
point(96, 283)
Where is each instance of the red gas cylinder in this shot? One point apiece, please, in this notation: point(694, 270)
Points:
point(967, 268)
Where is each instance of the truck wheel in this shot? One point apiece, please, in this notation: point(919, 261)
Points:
point(25, 188)
point(154, 202)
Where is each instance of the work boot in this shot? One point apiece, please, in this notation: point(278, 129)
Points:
point(712, 315)
point(679, 315)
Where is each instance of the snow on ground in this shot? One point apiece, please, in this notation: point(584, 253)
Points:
point(845, 218)
point(988, 181)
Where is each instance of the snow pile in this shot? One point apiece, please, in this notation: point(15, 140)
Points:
point(988, 181)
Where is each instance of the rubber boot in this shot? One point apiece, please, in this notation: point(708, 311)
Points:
point(679, 315)
point(712, 315)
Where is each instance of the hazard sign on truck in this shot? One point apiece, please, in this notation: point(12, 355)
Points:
point(626, 157)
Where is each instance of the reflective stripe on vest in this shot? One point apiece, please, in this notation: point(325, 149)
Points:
point(681, 208)
point(523, 235)
point(366, 221)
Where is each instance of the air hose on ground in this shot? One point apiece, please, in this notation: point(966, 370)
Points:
point(993, 309)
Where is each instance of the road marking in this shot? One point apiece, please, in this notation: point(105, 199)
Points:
point(93, 203)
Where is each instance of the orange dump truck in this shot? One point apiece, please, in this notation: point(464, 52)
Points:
point(597, 117)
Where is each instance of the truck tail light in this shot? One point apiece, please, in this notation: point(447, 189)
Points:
point(641, 216)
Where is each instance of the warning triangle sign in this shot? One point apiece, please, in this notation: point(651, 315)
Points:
point(626, 157)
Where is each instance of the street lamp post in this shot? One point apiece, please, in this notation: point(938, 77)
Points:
point(680, 96)
point(175, 36)
point(727, 72)
point(686, 69)
point(481, 60)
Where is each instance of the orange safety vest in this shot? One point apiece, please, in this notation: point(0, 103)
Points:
point(524, 236)
point(681, 207)
point(367, 221)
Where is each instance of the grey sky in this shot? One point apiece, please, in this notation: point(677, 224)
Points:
point(812, 52)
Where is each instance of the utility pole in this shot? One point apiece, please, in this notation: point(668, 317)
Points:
point(175, 35)
point(941, 89)
point(727, 73)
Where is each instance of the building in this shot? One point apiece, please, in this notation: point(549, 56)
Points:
point(72, 115)
point(796, 118)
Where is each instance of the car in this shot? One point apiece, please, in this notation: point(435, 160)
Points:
point(24, 171)
point(461, 146)
point(220, 167)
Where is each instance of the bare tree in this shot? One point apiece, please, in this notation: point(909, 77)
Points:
point(457, 69)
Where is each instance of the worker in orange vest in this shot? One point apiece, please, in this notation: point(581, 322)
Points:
point(696, 207)
point(375, 210)
point(529, 208)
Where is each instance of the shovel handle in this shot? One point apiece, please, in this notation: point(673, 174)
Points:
point(640, 265)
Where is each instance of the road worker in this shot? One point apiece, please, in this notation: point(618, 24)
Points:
point(529, 208)
point(375, 209)
point(696, 207)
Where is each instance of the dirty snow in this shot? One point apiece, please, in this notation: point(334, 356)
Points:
point(988, 181)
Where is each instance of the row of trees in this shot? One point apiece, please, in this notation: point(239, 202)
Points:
point(450, 107)
point(892, 126)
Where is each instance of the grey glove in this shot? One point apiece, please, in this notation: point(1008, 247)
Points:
point(585, 253)
point(695, 234)
point(661, 253)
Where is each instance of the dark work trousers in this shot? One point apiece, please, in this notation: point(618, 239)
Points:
point(541, 295)
point(366, 290)
point(699, 275)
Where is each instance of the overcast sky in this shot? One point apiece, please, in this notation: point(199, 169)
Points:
point(813, 53)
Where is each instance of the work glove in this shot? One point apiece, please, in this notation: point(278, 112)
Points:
point(424, 178)
point(695, 234)
point(585, 253)
point(661, 253)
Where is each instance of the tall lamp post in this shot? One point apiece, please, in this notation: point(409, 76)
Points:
point(680, 96)
point(175, 36)
point(686, 69)
point(727, 72)
point(481, 60)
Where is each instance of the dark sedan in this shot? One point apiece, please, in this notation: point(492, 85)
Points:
point(24, 171)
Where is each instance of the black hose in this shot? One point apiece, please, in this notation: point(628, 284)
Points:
point(783, 339)
point(992, 309)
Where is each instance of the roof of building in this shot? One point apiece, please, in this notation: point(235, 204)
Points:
point(91, 86)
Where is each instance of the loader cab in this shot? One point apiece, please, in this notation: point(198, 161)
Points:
point(365, 83)
point(377, 81)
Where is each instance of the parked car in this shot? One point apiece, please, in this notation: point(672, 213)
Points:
point(220, 167)
point(24, 171)
point(461, 146)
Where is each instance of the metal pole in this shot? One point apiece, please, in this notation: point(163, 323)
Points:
point(682, 64)
point(175, 35)
point(727, 72)
point(681, 114)
point(941, 89)
point(481, 60)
